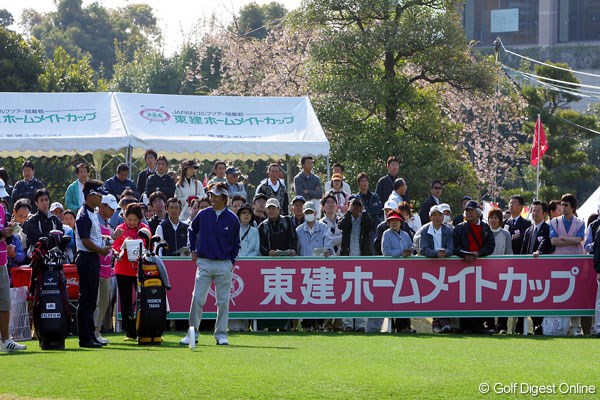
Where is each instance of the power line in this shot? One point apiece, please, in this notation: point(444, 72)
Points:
point(265, 26)
point(559, 81)
point(577, 125)
point(567, 121)
point(557, 88)
point(543, 63)
point(551, 88)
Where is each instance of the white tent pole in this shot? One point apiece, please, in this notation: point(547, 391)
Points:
point(129, 150)
point(288, 165)
point(128, 157)
point(98, 157)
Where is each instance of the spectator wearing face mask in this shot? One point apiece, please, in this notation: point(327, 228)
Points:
point(447, 211)
point(314, 239)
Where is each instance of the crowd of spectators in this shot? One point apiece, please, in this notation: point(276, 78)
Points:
point(330, 219)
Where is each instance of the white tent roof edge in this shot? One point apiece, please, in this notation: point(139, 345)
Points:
point(109, 128)
point(223, 127)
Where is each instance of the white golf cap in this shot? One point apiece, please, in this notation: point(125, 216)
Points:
point(390, 205)
point(110, 201)
point(56, 205)
point(309, 206)
point(273, 203)
point(434, 209)
point(444, 207)
point(218, 192)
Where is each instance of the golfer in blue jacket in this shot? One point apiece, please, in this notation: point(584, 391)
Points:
point(214, 237)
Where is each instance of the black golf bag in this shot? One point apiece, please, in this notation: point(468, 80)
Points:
point(151, 319)
point(51, 308)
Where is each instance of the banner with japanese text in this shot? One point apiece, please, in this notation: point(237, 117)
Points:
point(49, 124)
point(300, 287)
point(222, 126)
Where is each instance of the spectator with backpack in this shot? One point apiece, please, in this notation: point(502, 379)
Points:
point(277, 235)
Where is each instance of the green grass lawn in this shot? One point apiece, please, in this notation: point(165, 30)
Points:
point(301, 366)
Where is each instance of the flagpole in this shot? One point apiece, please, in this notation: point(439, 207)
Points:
point(537, 179)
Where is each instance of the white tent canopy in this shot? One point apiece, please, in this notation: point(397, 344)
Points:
point(206, 127)
point(56, 124)
point(202, 127)
point(591, 206)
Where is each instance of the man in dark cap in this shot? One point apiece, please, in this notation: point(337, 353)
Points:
point(259, 205)
point(234, 187)
point(460, 217)
point(277, 233)
point(473, 238)
point(90, 247)
point(297, 211)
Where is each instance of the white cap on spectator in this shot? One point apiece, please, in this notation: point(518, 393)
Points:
point(56, 205)
point(218, 192)
point(309, 206)
point(435, 208)
point(444, 207)
point(110, 201)
point(390, 205)
point(273, 203)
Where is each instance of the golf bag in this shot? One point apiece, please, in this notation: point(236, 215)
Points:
point(151, 319)
point(51, 308)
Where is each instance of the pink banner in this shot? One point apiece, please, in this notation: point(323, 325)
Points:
point(402, 287)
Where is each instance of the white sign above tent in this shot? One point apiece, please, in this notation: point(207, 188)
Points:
point(54, 124)
point(222, 127)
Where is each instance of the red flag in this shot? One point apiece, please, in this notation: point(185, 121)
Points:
point(540, 136)
point(205, 181)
